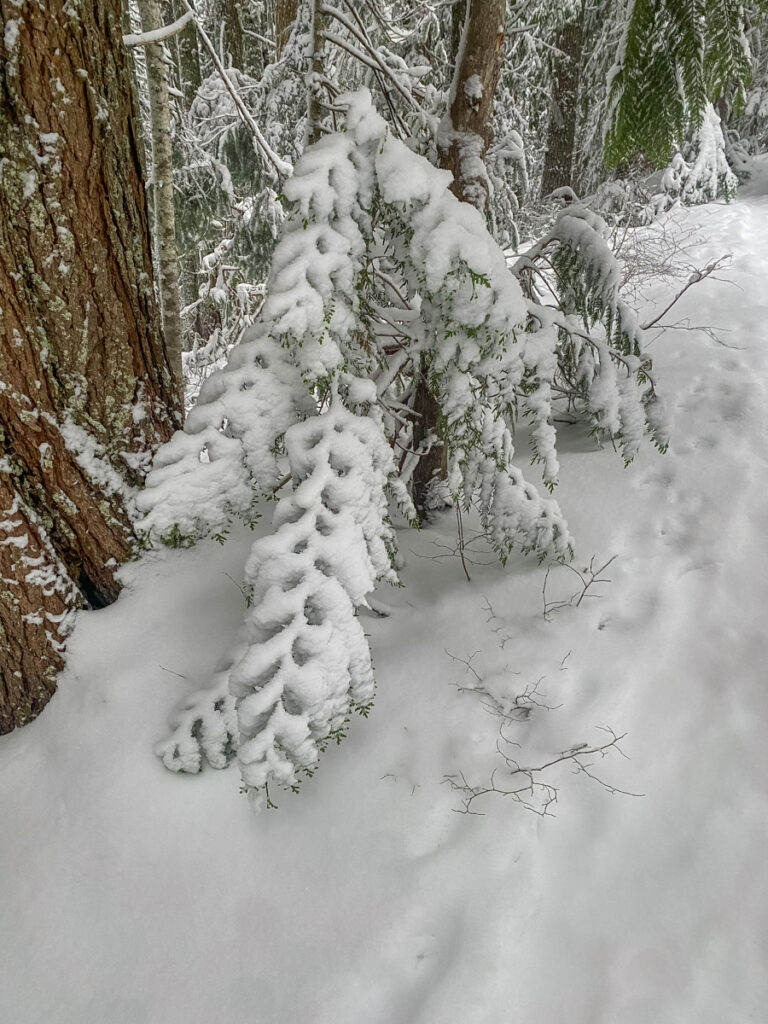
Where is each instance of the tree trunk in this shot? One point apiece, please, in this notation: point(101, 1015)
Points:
point(285, 16)
point(433, 466)
point(315, 106)
point(85, 390)
point(458, 18)
point(227, 33)
point(558, 160)
point(470, 132)
point(463, 147)
point(162, 178)
point(187, 57)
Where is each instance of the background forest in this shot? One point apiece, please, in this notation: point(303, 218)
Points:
point(426, 335)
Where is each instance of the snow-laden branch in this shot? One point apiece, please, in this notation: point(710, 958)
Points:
point(159, 34)
point(369, 56)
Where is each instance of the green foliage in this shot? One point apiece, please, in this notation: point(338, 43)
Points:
point(175, 538)
point(677, 55)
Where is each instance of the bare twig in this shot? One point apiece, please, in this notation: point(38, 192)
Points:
point(588, 577)
point(526, 784)
point(697, 275)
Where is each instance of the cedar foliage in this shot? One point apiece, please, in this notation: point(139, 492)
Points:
point(676, 55)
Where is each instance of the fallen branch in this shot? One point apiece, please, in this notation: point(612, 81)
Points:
point(525, 785)
point(698, 275)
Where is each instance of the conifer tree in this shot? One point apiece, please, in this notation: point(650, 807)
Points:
point(379, 267)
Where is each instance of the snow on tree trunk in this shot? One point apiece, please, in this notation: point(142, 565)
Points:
point(465, 140)
point(558, 160)
point(85, 392)
point(162, 179)
point(463, 145)
point(36, 602)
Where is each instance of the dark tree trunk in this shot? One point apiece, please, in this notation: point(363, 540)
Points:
point(187, 56)
point(285, 16)
point(469, 134)
point(458, 17)
point(227, 33)
point(85, 391)
point(558, 160)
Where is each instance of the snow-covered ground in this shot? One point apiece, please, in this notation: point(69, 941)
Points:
point(132, 896)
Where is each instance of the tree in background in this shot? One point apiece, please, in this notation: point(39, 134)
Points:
point(86, 393)
point(162, 181)
point(561, 134)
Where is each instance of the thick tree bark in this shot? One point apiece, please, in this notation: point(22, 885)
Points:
point(162, 179)
point(85, 391)
point(558, 160)
point(464, 142)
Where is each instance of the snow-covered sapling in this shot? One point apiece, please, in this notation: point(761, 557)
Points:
point(381, 276)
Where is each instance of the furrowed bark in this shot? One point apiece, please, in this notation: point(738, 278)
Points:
point(85, 390)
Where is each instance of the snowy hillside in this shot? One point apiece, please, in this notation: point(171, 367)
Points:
point(132, 896)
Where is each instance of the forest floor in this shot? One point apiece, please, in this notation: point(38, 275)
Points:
point(132, 896)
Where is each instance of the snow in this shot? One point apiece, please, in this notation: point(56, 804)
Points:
point(132, 895)
point(11, 35)
point(473, 89)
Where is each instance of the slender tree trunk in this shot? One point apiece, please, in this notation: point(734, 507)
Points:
point(85, 390)
point(471, 122)
point(315, 107)
point(463, 147)
point(558, 160)
point(186, 51)
point(162, 177)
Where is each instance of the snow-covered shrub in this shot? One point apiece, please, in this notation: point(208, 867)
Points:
point(701, 172)
point(381, 275)
point(307, 663)
point(204, 727)
point(227, 455)
point(598, 364)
